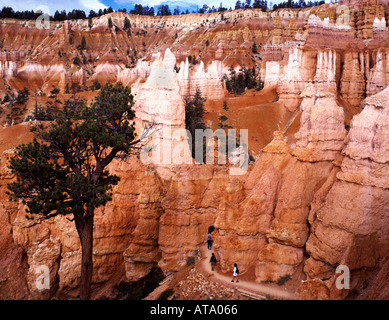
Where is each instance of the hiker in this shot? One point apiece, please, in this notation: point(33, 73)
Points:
point(235, 273)
point(212, 261)
point(209, 241)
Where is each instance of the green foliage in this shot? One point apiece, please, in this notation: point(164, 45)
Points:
point(222, 122)
point(47, 113)
point(126, 24)
point(77, 61)
point(6, 98)
point(254, 48)
point(96, 85)
point(283, 279)
point(63, 170)
point(245, 79)
point(83, 43)
point(223, 118)
point(192, 60)
point(22, 96)
point(137, 290)
point(75, 87)
point(225, 106)
point(194, 116)
point(166, 294)
point(54, 92)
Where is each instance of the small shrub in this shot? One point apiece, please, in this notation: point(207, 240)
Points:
point(190, 260)
point(283, 279)
point(166, 294)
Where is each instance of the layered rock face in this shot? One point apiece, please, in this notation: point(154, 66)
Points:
point(351, 226)
point(128, 76)
point(299, 213)
point(158, 99)
point(365, 159)
point(301, 209)
point(159, 102)
point(322, 131)
point(293, 44)
point(209, 83)
point(354, 66)
point(53, 246)
point(8, 69)
point(266, 227)
point(144, 252)
point(52, 57)
point(304, 67)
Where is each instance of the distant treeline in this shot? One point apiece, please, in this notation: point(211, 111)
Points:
point(298, 5)
point(162, 10)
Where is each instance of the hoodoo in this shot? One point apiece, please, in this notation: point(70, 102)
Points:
point(309, 86)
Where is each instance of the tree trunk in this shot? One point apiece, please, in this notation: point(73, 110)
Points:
point(85, 232)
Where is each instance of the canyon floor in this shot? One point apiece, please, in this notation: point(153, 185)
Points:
point(199, 282)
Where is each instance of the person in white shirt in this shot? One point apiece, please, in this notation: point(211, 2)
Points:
point(235, 273)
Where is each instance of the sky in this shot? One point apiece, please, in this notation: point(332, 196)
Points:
point(87, 5)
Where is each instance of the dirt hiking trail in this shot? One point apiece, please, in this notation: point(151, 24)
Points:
point(249, 288)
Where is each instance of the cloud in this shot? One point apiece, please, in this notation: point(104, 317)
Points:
point(53, 5)
point(93, 4)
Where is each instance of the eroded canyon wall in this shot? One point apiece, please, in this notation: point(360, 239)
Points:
point(301, 209)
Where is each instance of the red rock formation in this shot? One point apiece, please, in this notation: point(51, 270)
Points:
point(302, 209)
point(350, 227)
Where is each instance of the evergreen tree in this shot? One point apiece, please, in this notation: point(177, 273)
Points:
point(92, 14)
point(194, 116)
point(126, 24)
point(164, 10)
point(254, 48)
point(225, 106)
point(222, 122)
point(63, 171)
point(83, 43)
point(237, 83)
point(54, 92)
point(22, 96)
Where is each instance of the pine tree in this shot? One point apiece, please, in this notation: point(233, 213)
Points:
point(194, 116)
point(83, 43)
point(225, 106)
point(63, 171)
point(126, 24)
point(254, 48)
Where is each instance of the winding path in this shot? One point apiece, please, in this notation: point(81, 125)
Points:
point(243, 286)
